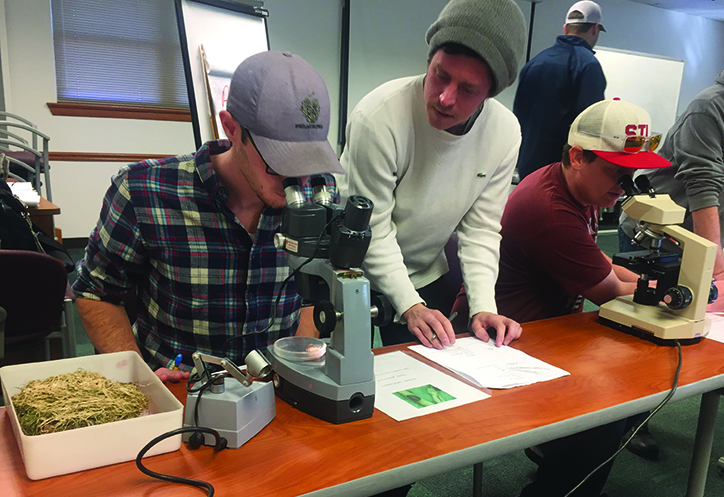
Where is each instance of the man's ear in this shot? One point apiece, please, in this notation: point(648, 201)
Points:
point(575, 155)
point(232, 129)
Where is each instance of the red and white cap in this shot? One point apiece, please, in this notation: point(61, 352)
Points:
point(607, 128)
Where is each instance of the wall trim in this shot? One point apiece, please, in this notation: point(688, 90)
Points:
point(102, 157)
point(118, 111)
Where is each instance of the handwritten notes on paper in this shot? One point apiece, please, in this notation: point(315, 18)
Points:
point(489, 366)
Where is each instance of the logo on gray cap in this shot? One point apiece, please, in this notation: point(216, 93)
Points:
point(310, 109)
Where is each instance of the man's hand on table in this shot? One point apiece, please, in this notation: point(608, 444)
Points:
point(172, 375)
point(507, 330)
point(430, 326)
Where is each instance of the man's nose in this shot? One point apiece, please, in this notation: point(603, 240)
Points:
point(448, 97)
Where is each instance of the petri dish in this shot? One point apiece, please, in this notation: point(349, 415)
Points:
point(301, 349)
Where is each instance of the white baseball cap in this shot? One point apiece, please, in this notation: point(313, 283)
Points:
point(618, 132)
point(585, 12)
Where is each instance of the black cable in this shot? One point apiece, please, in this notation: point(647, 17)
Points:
point(635, 432)
point(200, 391)
point(196, 378)
point(220, 445)
point(281, 288)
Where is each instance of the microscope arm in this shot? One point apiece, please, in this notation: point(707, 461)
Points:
point(697, 266)
point(199, 359)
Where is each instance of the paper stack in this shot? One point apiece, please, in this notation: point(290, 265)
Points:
point(25, 192)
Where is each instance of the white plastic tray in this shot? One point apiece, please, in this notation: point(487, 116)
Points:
point(69, 451)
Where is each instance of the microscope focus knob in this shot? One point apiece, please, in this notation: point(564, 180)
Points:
point(382, 312)
point(280, 241)
point(677, 297)
point(325, 318)
point(713, 293)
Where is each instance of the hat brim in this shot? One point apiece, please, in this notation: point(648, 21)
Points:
point(641, 160)
point(584, 21)
point(294, 159)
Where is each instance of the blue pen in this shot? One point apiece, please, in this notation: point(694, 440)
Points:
point(177, 361)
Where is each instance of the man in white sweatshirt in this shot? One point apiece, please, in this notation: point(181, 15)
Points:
point(435, 153)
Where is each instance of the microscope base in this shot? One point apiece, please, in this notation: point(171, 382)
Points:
point(655, 323)
point(668, 342)
point(357, 407)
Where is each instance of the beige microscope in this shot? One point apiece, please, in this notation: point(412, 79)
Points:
point(680, 262)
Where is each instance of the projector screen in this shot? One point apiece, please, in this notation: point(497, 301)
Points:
point(227, 33)
point(649, 81)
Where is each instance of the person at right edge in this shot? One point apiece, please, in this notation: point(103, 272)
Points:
point(695, 180)
point(556, 85)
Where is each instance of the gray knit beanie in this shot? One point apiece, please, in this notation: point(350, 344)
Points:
point(494, 29)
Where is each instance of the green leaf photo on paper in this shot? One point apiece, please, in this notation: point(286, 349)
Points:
point(424, 396)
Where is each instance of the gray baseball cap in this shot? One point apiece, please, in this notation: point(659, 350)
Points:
point(284, 104)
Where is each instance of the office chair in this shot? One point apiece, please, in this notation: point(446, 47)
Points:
point(19, 142)
point(36, 297)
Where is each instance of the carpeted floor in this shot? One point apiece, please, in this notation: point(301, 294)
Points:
point(673, 427)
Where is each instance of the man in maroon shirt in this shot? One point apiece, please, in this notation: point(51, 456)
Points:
point(549, 260)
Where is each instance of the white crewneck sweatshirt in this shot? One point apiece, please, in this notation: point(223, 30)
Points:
point(426, 184)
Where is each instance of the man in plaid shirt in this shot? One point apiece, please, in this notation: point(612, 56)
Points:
point(194, 234)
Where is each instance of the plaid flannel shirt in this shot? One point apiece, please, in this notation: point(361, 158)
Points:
point(200, 277)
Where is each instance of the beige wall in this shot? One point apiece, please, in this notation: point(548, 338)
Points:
point(78, 187)
point(310, 28)
point(30, 83)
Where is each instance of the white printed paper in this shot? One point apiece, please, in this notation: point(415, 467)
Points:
point(717, 326)
point(407, 388)
point(25, 192)
point(489, 366)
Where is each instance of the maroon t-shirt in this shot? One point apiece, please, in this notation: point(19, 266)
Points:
point(548, 251)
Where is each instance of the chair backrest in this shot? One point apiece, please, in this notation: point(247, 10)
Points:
point(27, 150)
point(32, 291)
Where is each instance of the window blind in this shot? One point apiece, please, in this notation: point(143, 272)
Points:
point(120, 52)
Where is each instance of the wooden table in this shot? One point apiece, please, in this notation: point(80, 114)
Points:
point(42, 216)
point(613, 375)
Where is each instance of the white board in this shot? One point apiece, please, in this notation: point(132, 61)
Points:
point(229, 32)
point(649, 81)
